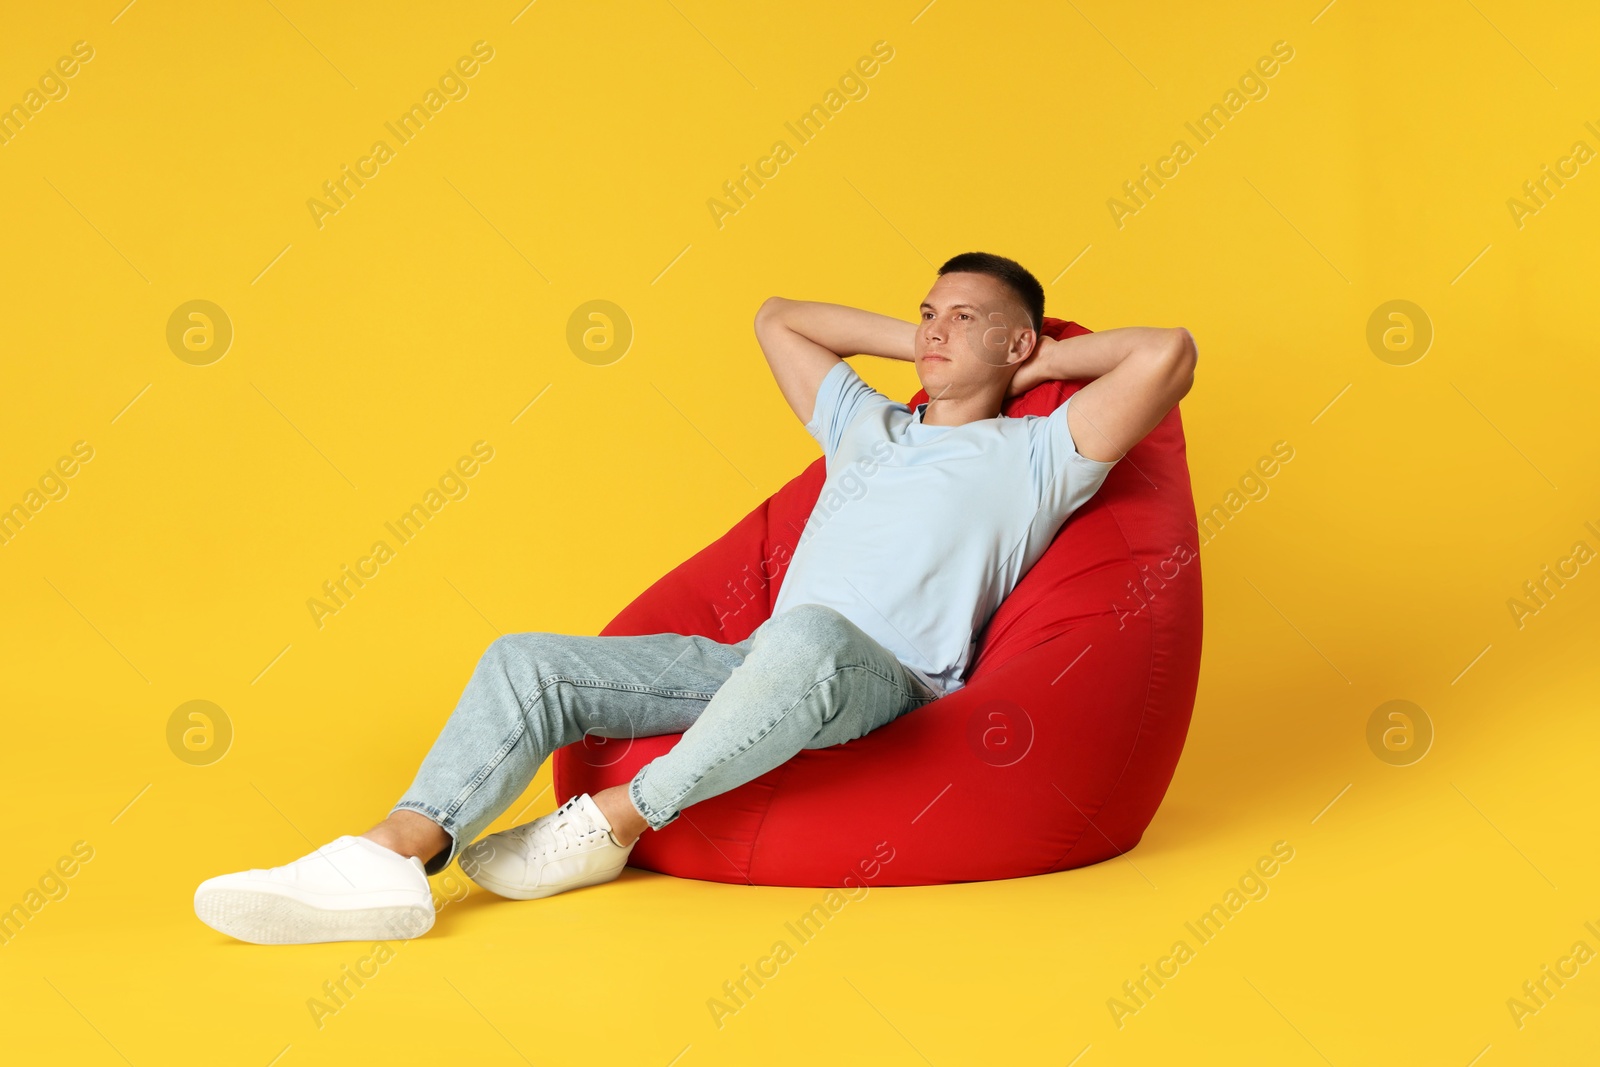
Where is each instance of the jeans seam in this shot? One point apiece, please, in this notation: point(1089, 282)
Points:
point(418, 806)
point(673, 804)
point(595, 682)
point(488, 768)
point(599, 683)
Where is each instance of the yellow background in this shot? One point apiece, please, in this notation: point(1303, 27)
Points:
point(432, 309)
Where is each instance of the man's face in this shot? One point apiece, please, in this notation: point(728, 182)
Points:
point(973, 332)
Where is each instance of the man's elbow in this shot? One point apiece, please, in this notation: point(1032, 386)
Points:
point(1183, 345)
point(1184, 355)
point(771, 308)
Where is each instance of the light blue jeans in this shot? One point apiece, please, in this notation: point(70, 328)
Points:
point(807, 678)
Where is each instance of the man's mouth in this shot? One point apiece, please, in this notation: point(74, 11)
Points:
point(934, 355)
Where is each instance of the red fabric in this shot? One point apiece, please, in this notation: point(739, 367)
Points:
point(1056, 752)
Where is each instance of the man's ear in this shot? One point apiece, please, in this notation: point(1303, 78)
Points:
point(1024, 347)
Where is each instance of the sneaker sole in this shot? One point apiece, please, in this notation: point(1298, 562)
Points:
point(487, 881)
point(264, 918)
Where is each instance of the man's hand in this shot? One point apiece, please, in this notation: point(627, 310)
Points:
point(1034, 369)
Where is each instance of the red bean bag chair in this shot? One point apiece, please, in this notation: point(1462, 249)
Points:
point(1054, 754)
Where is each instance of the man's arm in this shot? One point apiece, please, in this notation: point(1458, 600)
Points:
point(1139, 373)
point(804, 339)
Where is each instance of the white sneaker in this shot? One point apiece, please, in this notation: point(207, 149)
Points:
point(351, 889)
point(571, 847)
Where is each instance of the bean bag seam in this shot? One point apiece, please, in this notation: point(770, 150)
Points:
point(1144, 712)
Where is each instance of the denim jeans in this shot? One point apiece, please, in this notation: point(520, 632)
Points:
point(806, 678)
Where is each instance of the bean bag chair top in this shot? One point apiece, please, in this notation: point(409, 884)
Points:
point(1054, 754)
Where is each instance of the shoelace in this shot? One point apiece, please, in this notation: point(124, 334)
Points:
point(559, 833)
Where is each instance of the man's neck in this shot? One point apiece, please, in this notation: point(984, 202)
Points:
point(948, 410)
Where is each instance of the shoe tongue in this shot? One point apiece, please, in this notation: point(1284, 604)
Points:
point(586, 803)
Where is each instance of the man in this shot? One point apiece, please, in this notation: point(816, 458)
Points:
point(951, 504)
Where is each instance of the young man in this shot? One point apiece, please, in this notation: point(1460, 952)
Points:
point(949, 506)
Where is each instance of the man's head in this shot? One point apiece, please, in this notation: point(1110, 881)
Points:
point(984, 315)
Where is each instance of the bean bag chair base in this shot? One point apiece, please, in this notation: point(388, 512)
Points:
point(1056, 752)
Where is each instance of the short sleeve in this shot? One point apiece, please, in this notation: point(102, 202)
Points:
point(841, 397)
point(1064, 477)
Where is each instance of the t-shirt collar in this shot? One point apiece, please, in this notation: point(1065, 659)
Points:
point(918, 411)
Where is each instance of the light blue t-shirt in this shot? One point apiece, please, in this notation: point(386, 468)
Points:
point(920, 532)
